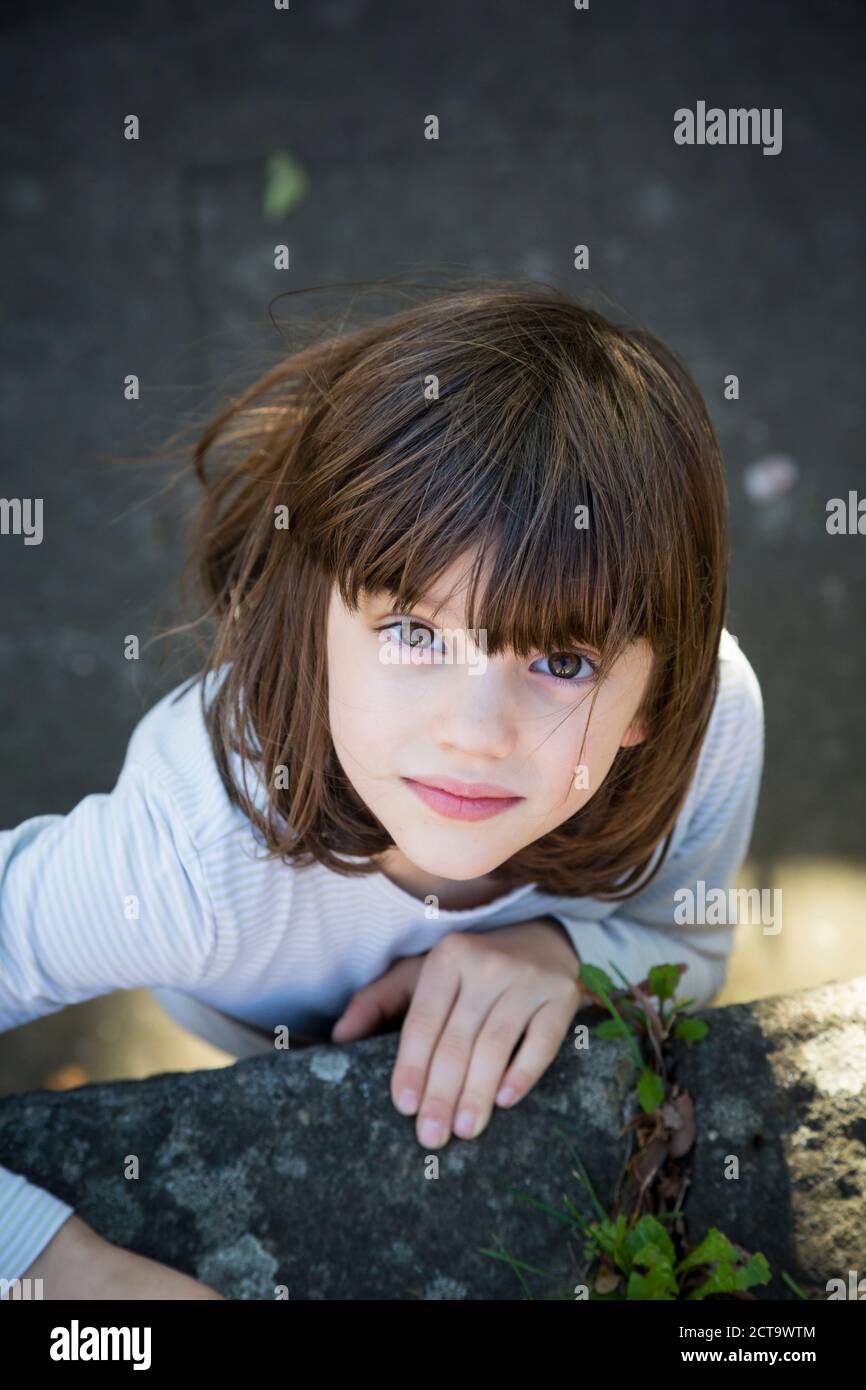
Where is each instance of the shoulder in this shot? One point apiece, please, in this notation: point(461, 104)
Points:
point(736, 726)
point(728, 770)
point(171, 748)
point(737, 720)
point(737, 676)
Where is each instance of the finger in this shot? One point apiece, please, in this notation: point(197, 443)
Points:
point(544, 1034)
point(435, 993)
point(502, 1030)
point(451, 1060)
point(378, 1001)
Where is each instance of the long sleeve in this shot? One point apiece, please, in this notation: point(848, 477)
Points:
point(110, 896)
point(710, 841)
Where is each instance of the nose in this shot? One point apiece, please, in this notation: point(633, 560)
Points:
point(475, 714)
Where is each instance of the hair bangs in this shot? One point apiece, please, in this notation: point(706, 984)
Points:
point(541, 575)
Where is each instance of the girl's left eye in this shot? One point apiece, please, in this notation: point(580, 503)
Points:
point(567, 666)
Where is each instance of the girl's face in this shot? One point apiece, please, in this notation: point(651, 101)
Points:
point(404, 716)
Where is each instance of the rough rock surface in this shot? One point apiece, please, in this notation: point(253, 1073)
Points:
point(296, 1170)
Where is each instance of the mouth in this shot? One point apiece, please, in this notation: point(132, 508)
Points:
point(463, 800)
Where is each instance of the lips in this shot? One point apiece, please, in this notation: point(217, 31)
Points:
point(471, 801)
point(484, 790)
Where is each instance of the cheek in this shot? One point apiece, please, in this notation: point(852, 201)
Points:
point(578, 758)
point(368, 708)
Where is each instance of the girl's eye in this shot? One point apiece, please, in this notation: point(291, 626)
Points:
point(570, 666)
point(418, 636)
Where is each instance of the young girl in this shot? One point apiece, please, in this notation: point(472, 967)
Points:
point(469, 717)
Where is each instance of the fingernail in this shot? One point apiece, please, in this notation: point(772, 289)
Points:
point(407, 1101)
point(465, 1125)
point(431, 1132)
point(505, 1095)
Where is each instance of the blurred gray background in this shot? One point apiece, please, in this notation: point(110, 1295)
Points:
point(155, 257)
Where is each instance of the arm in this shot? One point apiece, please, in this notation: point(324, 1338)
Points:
point(78, 1263)
point(710, 841)
point(108, 897)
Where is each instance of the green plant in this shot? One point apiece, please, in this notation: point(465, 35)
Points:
point(629, 1252)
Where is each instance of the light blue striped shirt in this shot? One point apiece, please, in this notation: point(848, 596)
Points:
point(160, 883)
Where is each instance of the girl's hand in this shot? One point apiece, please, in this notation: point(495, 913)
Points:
point(470, 1000)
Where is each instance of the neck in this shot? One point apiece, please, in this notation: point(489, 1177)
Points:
point(454, 895)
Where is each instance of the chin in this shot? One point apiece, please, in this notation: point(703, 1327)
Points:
point(449, 861)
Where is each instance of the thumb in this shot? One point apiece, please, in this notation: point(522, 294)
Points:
point(378, 1001)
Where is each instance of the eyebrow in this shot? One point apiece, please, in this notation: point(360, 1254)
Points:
point(430, 606)
point(422, 603)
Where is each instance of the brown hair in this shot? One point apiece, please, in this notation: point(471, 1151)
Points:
point(542, 406)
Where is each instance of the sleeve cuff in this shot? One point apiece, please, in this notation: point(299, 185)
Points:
point(29, 1217)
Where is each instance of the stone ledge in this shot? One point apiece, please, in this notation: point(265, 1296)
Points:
point(296, 1169)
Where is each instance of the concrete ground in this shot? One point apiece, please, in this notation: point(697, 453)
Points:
point(155, 257)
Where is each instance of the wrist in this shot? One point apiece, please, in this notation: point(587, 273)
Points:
point(572, 959)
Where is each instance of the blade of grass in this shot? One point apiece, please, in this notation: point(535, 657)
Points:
point(532, 1201)
point(617, 971)
point(582, 1174)
point(579, 1219)
point(624, 1029)
point(516, 1264)
point(796, 1287)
